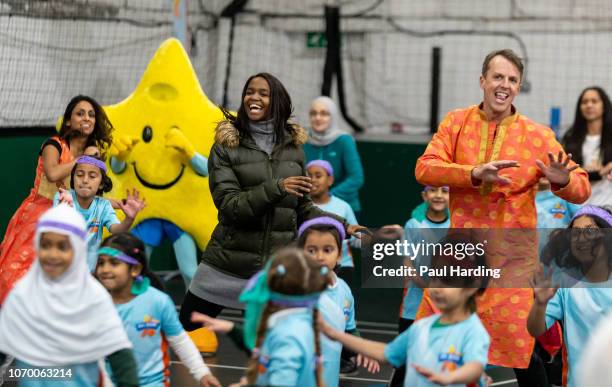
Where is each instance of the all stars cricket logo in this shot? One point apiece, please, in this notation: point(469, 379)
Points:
point(148, 327)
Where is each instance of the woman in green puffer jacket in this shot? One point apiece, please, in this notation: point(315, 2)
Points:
point(258, 184)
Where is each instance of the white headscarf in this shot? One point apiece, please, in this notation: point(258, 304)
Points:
point(63, 321)
point(333, 131)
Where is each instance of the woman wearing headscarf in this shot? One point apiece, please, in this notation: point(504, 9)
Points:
point(326, 141)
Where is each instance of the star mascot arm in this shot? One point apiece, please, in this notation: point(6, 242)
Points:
point(177, 140)
point(119, 151)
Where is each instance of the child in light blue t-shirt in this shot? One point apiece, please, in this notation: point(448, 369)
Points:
point(432, 214)
point(321, 174)
point(148, 314)
point(282, 308)
point(553, 212)
point(321, 238)
point(449, 348)
point(583, 271)
point(88, 182)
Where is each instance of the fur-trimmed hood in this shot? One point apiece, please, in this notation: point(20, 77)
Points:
point(227, 135)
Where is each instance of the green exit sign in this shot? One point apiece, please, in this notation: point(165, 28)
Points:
point(316, 40)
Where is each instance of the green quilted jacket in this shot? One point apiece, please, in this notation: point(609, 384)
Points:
point(256, 216)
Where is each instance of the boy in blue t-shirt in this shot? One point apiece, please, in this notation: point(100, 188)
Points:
point(553, 212)
point(433, 213)
point(88, 182)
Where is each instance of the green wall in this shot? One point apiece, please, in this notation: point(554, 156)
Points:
point(388, 196)
point(19, 156)
point(390, 191)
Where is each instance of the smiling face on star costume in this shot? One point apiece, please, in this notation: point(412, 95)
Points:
point(169, 101)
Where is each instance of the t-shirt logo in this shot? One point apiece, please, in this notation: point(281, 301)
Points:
point(346, 309)
point(94, 226)
point(450, 360)
point(558, 211)
point(263, 363)
point(148, 327)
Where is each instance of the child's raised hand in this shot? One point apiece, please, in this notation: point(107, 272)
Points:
point(390, 231)
point(542, 286)
point(368, 363)
point(65, 197)
point(442, 379)
point(356, 230)
point(214, 324)
point(209, 381)
point(132, 204)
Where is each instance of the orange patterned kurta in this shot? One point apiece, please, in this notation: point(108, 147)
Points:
point(17, 250)
point(466, 138)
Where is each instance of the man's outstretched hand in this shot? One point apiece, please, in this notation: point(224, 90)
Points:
point(489, 172)
point(557, 172)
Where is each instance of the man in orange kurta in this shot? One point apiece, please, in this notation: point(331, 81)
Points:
point(492, 158)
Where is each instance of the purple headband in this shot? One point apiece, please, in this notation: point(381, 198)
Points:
point(308, 300)
point(92, 161)
point(595, 211)
point(428, 187)
point(323, 220)
point(120, 255)
point(323, 164)
point(63, 226)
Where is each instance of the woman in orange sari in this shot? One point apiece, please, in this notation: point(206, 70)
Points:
point(85, 130)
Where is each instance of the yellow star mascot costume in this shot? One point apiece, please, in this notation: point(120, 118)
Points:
point(163, 134)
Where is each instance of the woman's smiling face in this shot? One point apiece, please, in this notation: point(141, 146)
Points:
point(257, 99)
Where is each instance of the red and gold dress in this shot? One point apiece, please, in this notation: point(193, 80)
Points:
point(17, 250)
point(464, 139)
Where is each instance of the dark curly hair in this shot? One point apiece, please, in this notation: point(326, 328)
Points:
point(101, 136)
point(558, 249)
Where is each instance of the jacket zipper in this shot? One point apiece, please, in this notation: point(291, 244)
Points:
point(268, 222)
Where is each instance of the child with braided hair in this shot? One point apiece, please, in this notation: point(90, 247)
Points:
point(280, 328)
